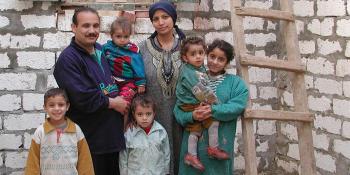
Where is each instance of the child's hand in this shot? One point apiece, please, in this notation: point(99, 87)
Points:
point(141, 89)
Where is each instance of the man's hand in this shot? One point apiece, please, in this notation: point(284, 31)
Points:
point(119, 104)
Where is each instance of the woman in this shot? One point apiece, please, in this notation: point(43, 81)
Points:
point(232, 94)
point(160, 54)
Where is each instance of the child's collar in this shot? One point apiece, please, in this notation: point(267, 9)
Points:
point(48, 127)
point(215, 77)
point(155, 127)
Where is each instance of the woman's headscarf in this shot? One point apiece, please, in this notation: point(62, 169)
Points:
point(170, 10)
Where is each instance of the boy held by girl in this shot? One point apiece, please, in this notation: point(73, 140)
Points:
point(191, 93)
point(125, 60)
point(232, 94)
point(58, 145)
point(147, 144)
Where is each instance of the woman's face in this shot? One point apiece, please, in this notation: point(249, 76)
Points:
point(162, 22)
point(217, 62)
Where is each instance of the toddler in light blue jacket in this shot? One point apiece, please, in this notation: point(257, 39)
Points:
point(147, 144)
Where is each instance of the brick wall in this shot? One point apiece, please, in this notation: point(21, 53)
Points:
point(323, 34)
point(32, 35)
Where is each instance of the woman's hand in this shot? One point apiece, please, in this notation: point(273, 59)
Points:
point(202, 112)
point(119, 104)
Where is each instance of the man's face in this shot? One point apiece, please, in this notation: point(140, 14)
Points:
point(87, 29)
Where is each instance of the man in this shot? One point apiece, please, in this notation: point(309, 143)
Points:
point(83, 72)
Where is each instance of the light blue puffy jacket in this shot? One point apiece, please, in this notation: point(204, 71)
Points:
point(145, 154)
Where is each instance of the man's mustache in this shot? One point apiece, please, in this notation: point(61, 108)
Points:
point(92, 35)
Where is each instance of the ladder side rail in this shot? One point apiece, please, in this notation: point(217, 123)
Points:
point(306, 150)
point(247, 124)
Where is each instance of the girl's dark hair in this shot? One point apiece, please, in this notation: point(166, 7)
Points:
point(194, 40)
point(224, 46)
point(121, 23)
point(55, 92)
point(144, 101)
point(83, 9)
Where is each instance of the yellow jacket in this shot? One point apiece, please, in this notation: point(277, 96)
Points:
point(51, 154)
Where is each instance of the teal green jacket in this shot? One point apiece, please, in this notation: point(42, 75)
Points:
point(186, 81)
point(233, 95)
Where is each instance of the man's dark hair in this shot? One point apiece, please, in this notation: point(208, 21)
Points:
point(55, 92)
point(83, 9)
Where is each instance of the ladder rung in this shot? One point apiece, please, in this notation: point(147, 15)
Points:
point(271, 14)
point(264, 62)
point(278, 115)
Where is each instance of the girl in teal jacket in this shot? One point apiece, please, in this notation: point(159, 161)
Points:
point(232, 94)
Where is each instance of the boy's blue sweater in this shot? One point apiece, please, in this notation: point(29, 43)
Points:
point(88, 88)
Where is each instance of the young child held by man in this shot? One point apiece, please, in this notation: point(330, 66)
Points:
point(192, 91)
point(58, 145)
point(125, 61)
point(147, 144)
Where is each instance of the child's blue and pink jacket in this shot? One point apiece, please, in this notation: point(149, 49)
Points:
point(125, 62)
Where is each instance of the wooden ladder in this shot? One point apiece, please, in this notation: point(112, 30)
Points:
point(296, 71)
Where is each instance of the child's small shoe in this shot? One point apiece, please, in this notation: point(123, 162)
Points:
point(194, 161)
point(217, 153)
